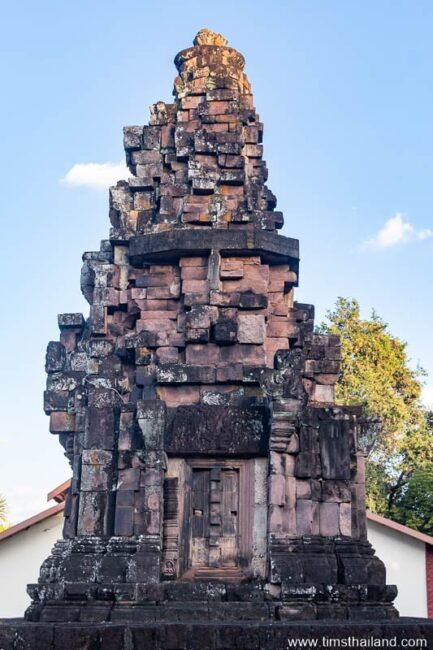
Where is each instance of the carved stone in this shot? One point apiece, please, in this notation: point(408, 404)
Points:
point(214, 479)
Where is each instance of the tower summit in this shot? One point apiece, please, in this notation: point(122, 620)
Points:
point(214, 479)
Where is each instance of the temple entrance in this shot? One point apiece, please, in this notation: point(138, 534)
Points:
point(218, 516)
point(214, 516)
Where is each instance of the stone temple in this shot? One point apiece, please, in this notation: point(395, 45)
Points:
point(214, 478)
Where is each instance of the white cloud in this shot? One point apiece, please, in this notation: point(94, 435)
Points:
point(427, 396)
point(424, 234)
point(397, 230)
point(97, 176)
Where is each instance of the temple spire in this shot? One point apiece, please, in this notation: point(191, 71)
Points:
point(210, 64)
point(196, 403)
point(208, 37)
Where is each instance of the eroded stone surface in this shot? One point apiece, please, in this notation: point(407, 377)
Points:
point(214, 478)
point(178, 635)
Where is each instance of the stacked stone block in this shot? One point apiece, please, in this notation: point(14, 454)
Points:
point(196, 355)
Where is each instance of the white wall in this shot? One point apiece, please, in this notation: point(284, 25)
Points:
point(21, 556)
point(404, 558)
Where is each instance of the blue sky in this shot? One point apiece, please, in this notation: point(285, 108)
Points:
point(345, 90)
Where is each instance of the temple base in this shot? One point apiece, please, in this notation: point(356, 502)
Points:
point(216, 601)
point(15, 633)
point(118, 580)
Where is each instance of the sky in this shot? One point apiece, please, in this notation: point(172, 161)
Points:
point(345, 90)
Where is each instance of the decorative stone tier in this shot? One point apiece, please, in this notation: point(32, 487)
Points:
point(273, 249)
point(119, 580)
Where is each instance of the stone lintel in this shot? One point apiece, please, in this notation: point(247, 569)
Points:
point(207, 430)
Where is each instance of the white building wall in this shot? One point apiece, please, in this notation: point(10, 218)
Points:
point(21, 556)
point(404, 558)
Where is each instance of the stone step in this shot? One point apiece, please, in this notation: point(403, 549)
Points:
point(215, 573)
point(196, 611)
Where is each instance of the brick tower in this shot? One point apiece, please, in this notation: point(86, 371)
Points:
point(214, 478)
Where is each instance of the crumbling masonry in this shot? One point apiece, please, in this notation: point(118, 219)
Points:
point(214, 478)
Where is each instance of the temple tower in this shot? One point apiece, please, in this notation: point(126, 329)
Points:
point(213, 474)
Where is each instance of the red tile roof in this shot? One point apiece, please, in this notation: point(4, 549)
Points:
point(31, 521)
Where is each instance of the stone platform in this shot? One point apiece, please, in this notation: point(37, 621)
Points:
point(15, 634)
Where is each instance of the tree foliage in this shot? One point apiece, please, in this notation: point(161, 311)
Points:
point(375, 373)
point(3, 513)
point(414, 505)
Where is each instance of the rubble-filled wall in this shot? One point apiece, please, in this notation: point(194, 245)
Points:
point(196, 403)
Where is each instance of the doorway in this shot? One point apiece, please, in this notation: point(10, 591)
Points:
point(215, 513)
point(218, 515)
point(214, 516)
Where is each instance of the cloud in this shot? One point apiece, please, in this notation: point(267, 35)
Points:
point(397, 230)
point(424, 234)
point(427, 396)
point(97, 176)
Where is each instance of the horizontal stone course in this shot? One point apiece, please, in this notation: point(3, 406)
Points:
point(205, 636)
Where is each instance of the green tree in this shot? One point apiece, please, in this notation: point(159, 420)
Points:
point(414, 504)
point(375, 373)
point(3, 513)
